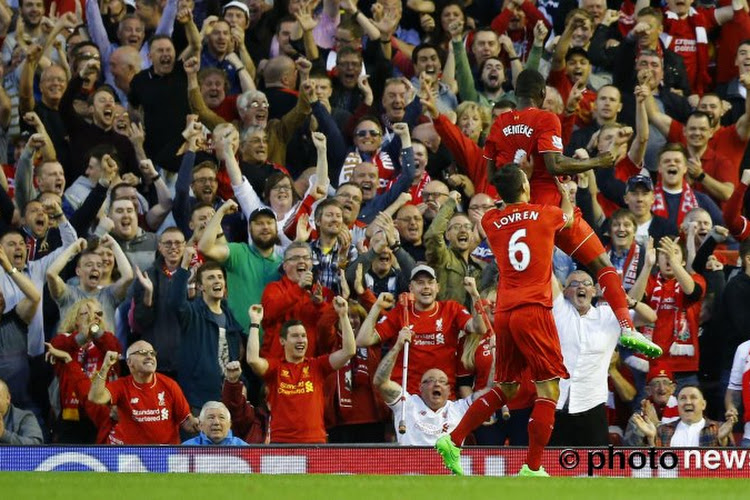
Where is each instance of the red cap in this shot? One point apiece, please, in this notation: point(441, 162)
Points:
point(656, 372)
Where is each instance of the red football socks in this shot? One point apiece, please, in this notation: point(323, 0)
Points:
point(540, 429)
point(479, 411)
point(614, 294)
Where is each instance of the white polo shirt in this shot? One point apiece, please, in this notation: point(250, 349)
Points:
point(740, 365)
point(424, 426)
point(587, 343)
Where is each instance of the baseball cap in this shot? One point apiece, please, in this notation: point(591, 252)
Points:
point(423, 269)
point(656, 372)
point(639, 180)
point(262, 211)
point(237, 5)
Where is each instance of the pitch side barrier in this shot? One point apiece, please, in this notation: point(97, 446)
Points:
point(386, 459)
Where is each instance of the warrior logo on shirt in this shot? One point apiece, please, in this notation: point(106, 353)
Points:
point(134, 401)
point(161, 399)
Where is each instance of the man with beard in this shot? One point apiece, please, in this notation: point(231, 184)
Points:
point(31, 13)
point(333, 249)
point(161, 87)
point(249, 267)
point(211, 337)
point(84, 135)
point(153, 319)
point(452, 262)
point(88, 272)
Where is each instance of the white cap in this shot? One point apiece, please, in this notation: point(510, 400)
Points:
point(237, 5)
point(423, 269)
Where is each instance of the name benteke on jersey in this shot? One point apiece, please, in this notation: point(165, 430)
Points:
point(519, 129)
point(516, 217)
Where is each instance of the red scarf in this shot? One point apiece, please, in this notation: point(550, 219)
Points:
point(688, 201)
point(698, 24)
point(630, 267)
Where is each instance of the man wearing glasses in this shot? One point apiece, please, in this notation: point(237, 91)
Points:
point(151, 407)
point(297, 295)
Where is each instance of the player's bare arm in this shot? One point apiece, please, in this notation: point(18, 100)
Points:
point(559, 164)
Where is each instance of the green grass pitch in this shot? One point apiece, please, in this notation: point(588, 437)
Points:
point(86, 485)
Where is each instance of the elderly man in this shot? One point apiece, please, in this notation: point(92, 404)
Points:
point(692, 429)
point(436, 326)
point(295, 382)
point(17, 427)
point(124, 64)
point(151, 406)
point(428, 414)
point(410, 226)
point(588, 336)
point(659, 406)
point(215, 424)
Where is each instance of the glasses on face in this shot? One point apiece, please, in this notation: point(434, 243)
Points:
point(458, 227)
point(258, 104)
point(365, 133)
point(170, 243)
point(298, 258)
point(145, 352)
point(426, 195)
point(282, 188)
point(205, 180)
point(433, 380)
point(576, 283)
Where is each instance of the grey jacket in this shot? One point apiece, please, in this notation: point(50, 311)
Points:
point(21, 428)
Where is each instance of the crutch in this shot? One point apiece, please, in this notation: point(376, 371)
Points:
point(488, 324)
point(404, 300)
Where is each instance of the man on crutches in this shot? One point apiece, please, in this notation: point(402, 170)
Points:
point(434, 326)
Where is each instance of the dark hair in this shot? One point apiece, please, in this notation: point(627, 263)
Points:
point(287, 325)
point(509, 182)
point(209, 265)
point(576, 51)
point(440, 34)
point(745, 249)
point(274, 179)
point(113, 192)
point(211, 71)
point(88, 251)
point(650, 11)
point(347, 51)
point(285, 19)
point(746, 41)
point(200, 205)
point(531, 85)
point(99, 151)
point(367, 118)
point(156, 38)
point(504, 103)
point(102, 88)
point(425, 46)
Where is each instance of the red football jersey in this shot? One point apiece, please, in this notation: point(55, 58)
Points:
point(522, 238)
point(295, 397)
point(528, 132)
point(149, 413)
point(433, 344)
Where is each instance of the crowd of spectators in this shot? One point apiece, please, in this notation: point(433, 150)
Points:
point(218, 218)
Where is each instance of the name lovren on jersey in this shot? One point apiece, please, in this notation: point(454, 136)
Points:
point(516, 217)
point(519, 129)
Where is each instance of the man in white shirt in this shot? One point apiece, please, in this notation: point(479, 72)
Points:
point(429, 414)
point(588, 337)
point(692, 429)
point(738, 389)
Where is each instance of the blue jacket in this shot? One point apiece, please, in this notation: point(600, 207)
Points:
point(199, 373)
point(202, 440)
